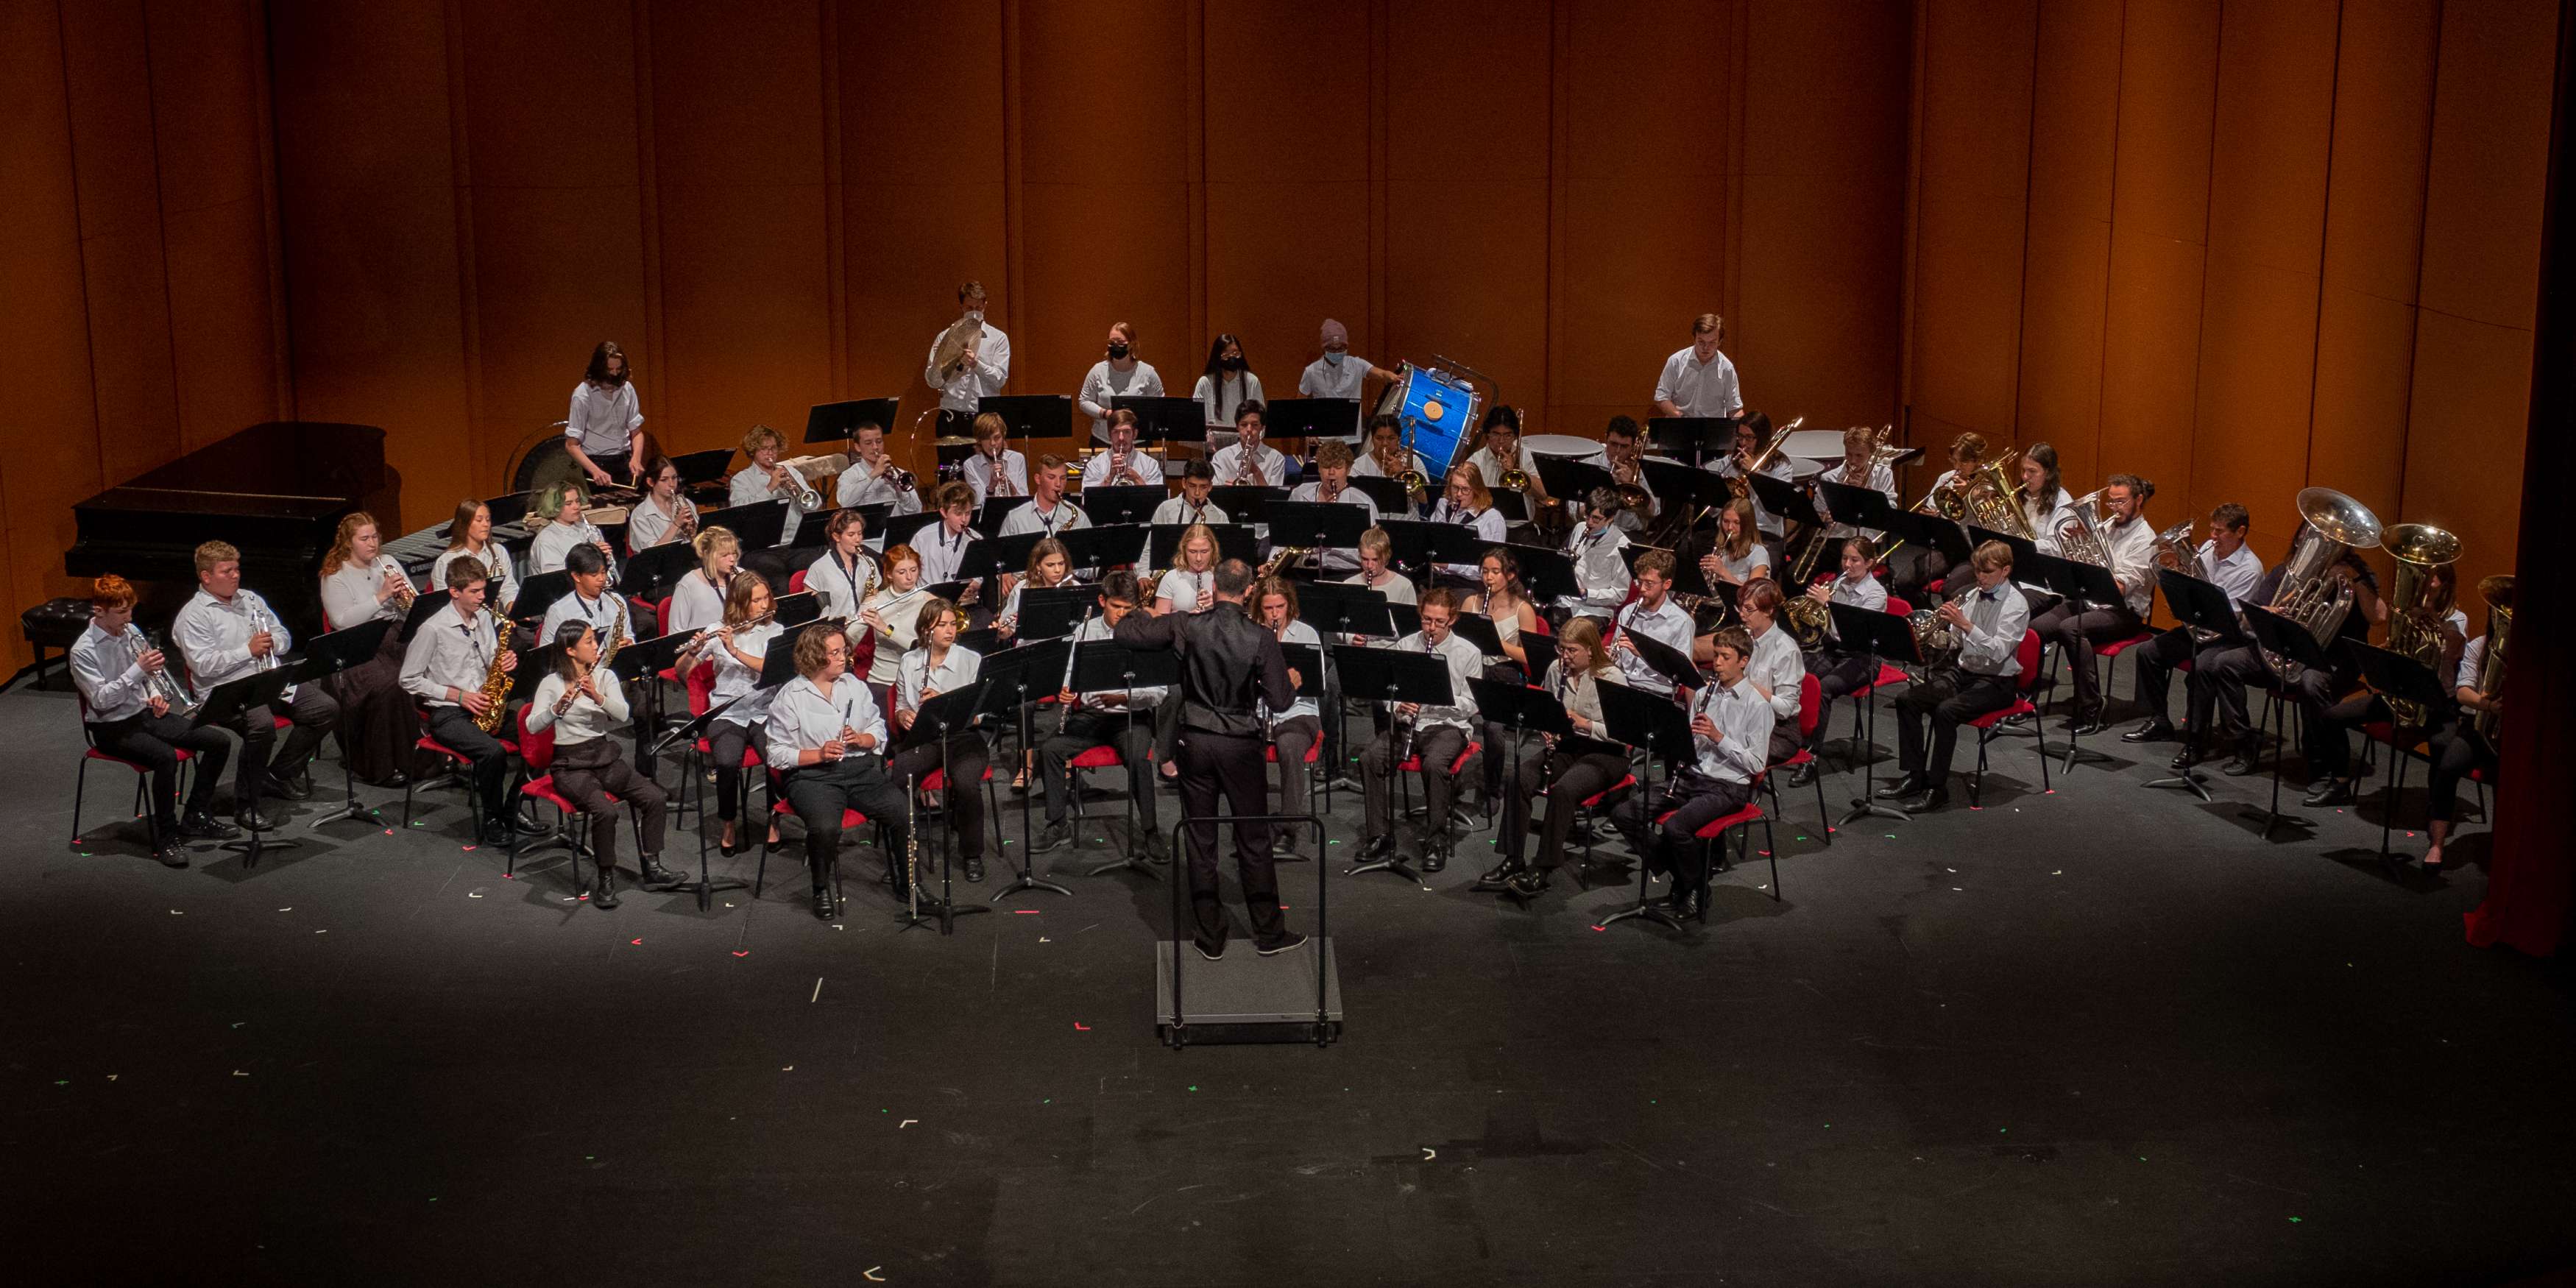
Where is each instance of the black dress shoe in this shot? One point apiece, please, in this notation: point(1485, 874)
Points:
point(2089, 726)
point(604, 895)
point(1286, 944)
point(730, 849)
point(823, 909)
point(975, 870)
point(1055, 837)
point(269, 819)
point(199, 824)
point(2183, 759)
point(170, 852)
point(500, 831)
point(1157, 850)
point(1216, 954)
point(1529, 883)
point(1903, 787)
point(1803, 774)
point(1435, 859)
point(2151, 731)
point(1931, 801)
point(297, 786)
point(1378, 847)
point(2249, 759)
point(2331, 791)
point(1498, 877)
point(658, 878)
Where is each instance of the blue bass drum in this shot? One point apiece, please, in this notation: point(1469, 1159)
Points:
point(1437, 412)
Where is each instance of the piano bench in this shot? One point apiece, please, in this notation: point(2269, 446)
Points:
point(54, 624)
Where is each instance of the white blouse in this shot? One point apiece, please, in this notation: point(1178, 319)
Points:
point(492, 553)
point(736, 678)
point(648, 525)
point(349, 595)
point(917, 676)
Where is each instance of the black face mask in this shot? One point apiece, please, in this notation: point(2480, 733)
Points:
point(1233, 364)
point(1118, 351)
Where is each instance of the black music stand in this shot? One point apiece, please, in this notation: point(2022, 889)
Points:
point(1420, 544)
point(225, 703)
point(1346, 608)
point(778, 661)
point(1314, 525)
point(1681, 487)
point(1692, 439)
point(689, 731)
point(643, 661)
point(2195, 603)
point(1654, 727)
point(1392, 676)
point(1407, 618)
point(1573, 477)
point(1112, 506)
point(1012, 682)
point(1930, 532)
point(1101, 547)
point(996, 509)
point(1233, 541)
point(1389, 494)
point(1312, 418)
point(1249, 503)
point(1481, 632)
point(423, 606)
point(1052, 612)
point(900, 529)
point(797, 609)
point(995, 557)
point(1858, 507)
point(330, 654)
point(1788, 501)
point(2396, 677)
point(2284, 643)
point(1165, 420)
point(2026, 555)
point(938, 719)
point(1031, 415)
point(537, 594)
point(2075, 582)
point(1884, 636)
point(1547, 573)
point(656, 569)
point(758, 525)
point(1674, 665)
point(1107, 666)
point(839, 421)
point(1511, 706)
point(697, 469)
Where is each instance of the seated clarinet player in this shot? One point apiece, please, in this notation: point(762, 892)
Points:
point(127, 706)
point(379, 726)
point(738, 648)
point(1377, 572)
point(226, 632)
point(444, 667)
point(939, 664)
point(1730, 737)
point(1654, 615)
point(591, 602)
point(1189, 586)
point(699, 600)
point(827, 738)
point(1600, 575)
point(1563, 777)
point(845, 574)
point(1840, 671)
point(565, 528)
point(1434, 733)
point(1120, 718)
point(1990, 629)
point(1298, 728)
point(1332, 486)
point(582, 702)
point(996, 468)
point(2464, 743)
point(942, 545)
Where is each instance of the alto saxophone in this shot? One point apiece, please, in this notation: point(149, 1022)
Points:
point(496, 681)
point(616, 640)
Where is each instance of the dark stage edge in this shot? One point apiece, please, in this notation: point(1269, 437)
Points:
point(2104, 1036)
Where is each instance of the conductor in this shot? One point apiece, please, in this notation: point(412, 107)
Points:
point(1228, 664)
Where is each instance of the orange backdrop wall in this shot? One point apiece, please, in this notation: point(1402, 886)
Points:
point(2238, 249)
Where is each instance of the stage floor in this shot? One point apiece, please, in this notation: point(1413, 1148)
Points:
point(2100, 1036)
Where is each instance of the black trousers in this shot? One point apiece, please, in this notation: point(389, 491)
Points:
point(965, 758)
point(1694, 801)
point(1947, 698)
point(2230, 671)
point(1497, 737)
point(818, 794)
point(312, 712)
point(1084, 728)
point(2456, 749)
point(2077, 629)
point(1838, 674)
point(2159, 659)
point(1438, 747)
point(726, 742)
point(1231, 763)
point(1565, 781)
point(154, 741)
point(379, 723)
point(454, 729)
point(586, 773)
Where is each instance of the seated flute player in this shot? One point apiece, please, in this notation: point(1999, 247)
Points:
point(1120, 718)
point(582, 702)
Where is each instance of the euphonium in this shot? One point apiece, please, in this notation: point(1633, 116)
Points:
point(2175, 549)
point(2419, 602)
point(1993, 501)
point(496, 682)
point(2080, 537)
point(2310, 593)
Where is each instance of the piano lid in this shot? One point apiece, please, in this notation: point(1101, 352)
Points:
point(282, 458)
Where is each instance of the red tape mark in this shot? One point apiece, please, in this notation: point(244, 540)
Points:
point(742, 952)
point(1025, 912)
point(1082, 1026)
point(635, 941)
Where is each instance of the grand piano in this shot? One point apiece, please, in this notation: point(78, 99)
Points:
point(276, 490)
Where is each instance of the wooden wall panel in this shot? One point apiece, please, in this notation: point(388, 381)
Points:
point(2075, 108)
point(1972, 191)
point(106, 55)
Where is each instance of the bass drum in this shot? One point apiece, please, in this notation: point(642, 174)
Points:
point(1438, 414)
point(541, 460)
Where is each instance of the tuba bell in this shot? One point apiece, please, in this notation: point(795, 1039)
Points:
point(2310, 593)
point(2080, 537)
point(2419, 602)
point(1992, 500)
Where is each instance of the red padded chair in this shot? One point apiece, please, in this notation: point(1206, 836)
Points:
point(1413, 765)
point(537, 753)
point(701, 682)
point(1810, 715)
point(2028, 680)
point(1710, 834)
point(459, 764)
point(1588, 815)
point(80, 785)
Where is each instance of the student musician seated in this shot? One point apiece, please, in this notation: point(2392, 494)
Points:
point(937, 665)
point(1192, 505)
point(444, 667)
point(661, 515)
point(871, 478)
point(1377, 572)
point(765, 479)
point(1859, 467)
point(1654, 615)
point(1388, 458)
point(1189, 586)
point(996, 468)
point(1434, 733)
point(379, 727)
point(1503, 452)
point(1730, 733)
point(739, 649)
point(943, 544)
point(2458, 745)
point(469, 536)
point(1752, 433)
point(1600, 574)
point(1120, 718)
point(892, 615)
point(1564, 778)
point(590, 600)
point(2224, 561)
point(582, 701)
point(1908, 578)
point(226, 632)
point(116, 667)
point(1465, 500)
point(1504, 601)
point(2077, 627)
point(828, 739)
point(1737, 554)
point(845, 574)
point(1332, 486)
point(1050, 567)
point(1775, 668)
point(1840, 671)
point(2330, 724)
point(1247, 461)
point(561, 506)
point(1623, 453)
point(2222, 682)
point(1048, 511)
point(1989, 617)
point(1296, 730)
point(699, 600)
point(1121, 464)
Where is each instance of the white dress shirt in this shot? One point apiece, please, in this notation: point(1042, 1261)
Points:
point(604, 419)
point(1665, 625)
point(1179, 510)
point(1997, 619)
point(751, 484)
point(1325, 378)
point(2473, 659)
point(555, 540)
point(2043, 520)
point(977, 379)
point(803, 718)
point(1220, 403)
point(2133, 562)
point(1095, 472)
point(1777, 666)
point(109, 670)
point(1865, 593)
point(214, 637)
point(1104, 382)
point(2236, 574)
point(696, 602)
point(841, 587)
point(1754, 562)
point(600, 613)
point(941, 551)
point(1397, 587)
point(649, 525)
point(902, 616)
point(1490, 467)
point(1465, 663)
point(1781, 467)
point(1064, 517)
point(735, 678)
point(495, 559)
point(866, 484)
point(1881, 477)
point(1301, 633)
point(1229, 465)
point(349, 595)
point(1337, 558)
point(1738, 713)
point(917, 676)
point(1181, 587)
point(1600, 575)
point(586, 720)
point(1014, 468)
point(1365, 466)
point(1581, 695)
point(448, 652)
point(1700, 389)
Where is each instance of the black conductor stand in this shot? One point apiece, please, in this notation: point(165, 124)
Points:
point(2287, 647)
point(947, 714)
point(2200, 606)
point(224, 705)
point(328, 655)
point(1885, 637)
point(1657, 727)
point(1392, 676)
point(1012, 682)
point(1106, 666)
point(690, 731)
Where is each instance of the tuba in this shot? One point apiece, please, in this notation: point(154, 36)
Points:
point(2310, 593)
point(2174, 549)
point(2491, 671)
point(2420, 602)
point(1992, 500)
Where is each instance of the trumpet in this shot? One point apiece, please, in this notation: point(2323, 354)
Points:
point(1247, 469)
point(404, 592)
point(783, 478)
point(162, 683)
point(1000, 478)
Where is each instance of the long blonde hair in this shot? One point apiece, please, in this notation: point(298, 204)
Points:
point(344, 543)
point(1586, 632)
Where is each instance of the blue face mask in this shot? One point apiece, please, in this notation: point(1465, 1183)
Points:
point(1334, 359)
